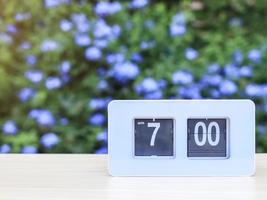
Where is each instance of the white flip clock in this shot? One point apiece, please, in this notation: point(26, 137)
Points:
point(181, 138)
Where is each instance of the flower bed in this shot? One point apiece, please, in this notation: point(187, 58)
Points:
point(62, 61)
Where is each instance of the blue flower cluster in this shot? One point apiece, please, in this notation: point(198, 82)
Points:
point(107, 8)
point(9, 128)
point(150, 88)
point(48, 140)
point(102, 137)
point(43, 117)
point(82, 55)
point(178, 25)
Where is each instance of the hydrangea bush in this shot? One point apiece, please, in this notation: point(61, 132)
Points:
point(63, 61)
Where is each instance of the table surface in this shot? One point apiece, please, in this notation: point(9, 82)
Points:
point(76, 176)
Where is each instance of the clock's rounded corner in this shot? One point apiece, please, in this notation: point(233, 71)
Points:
point(112, 104)
point(251, 103)
point(111, 171)
point(251, 172)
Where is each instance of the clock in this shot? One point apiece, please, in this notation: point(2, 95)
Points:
point(181, 138)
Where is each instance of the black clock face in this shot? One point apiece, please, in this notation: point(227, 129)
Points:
point(153, 137)
point(207, 137)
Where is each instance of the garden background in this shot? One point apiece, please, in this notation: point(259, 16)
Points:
point(62, 61)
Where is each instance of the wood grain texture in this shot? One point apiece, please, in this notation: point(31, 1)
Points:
point(58, 177)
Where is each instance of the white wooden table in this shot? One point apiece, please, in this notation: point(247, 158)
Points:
point(28, 177)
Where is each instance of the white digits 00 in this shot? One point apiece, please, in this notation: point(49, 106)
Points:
point(207, 131)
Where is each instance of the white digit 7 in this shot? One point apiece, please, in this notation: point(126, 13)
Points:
point(153, 137)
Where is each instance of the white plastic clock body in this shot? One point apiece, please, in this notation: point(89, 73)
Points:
point(181, 138)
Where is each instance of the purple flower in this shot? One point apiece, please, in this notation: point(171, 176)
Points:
point(231, 71)
point(102, 85)
point(64, 121)
point(182, 77)
point(213, 69)
point(25, 45)
point(31, 60)
point(211, 80)
point(98, 103)
point(52, 83)
point(82, 40)
point(29, 150)
point(192, 92)
point(101, 43)
point(9, 128)
point(246, 71)
point(179, 18)
point(150, 88)
point(22, 16)
point(65, 78)
point(97, 119)
point(34, 113)
point(254, 56)
point(125, 71)
point(116, 31)
point(253, 90)
point(148, 85)
point(177, 30)
point(11, 28)
point(102, 30)
point(65, 67)
point(154, 95)
point(55, 3)
point(136, 57)
point(215, 93)
point(93, 53)
point(34, 76)
point(227, 88)
point(177, 26)
point(81, 22)
point(43, 117)
point(147, 44)
point(102, 72)
point(25, 94)
point(237, 57)
point(191, 54)
point(136, 4)
point(102, 150)
point(5, 148)
point(107, 8)
point(102, 137)
point(6, 38)
point(115, 58)
point(65, 25)
point(162, 83)
point(49, 45)
point(49, 140)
